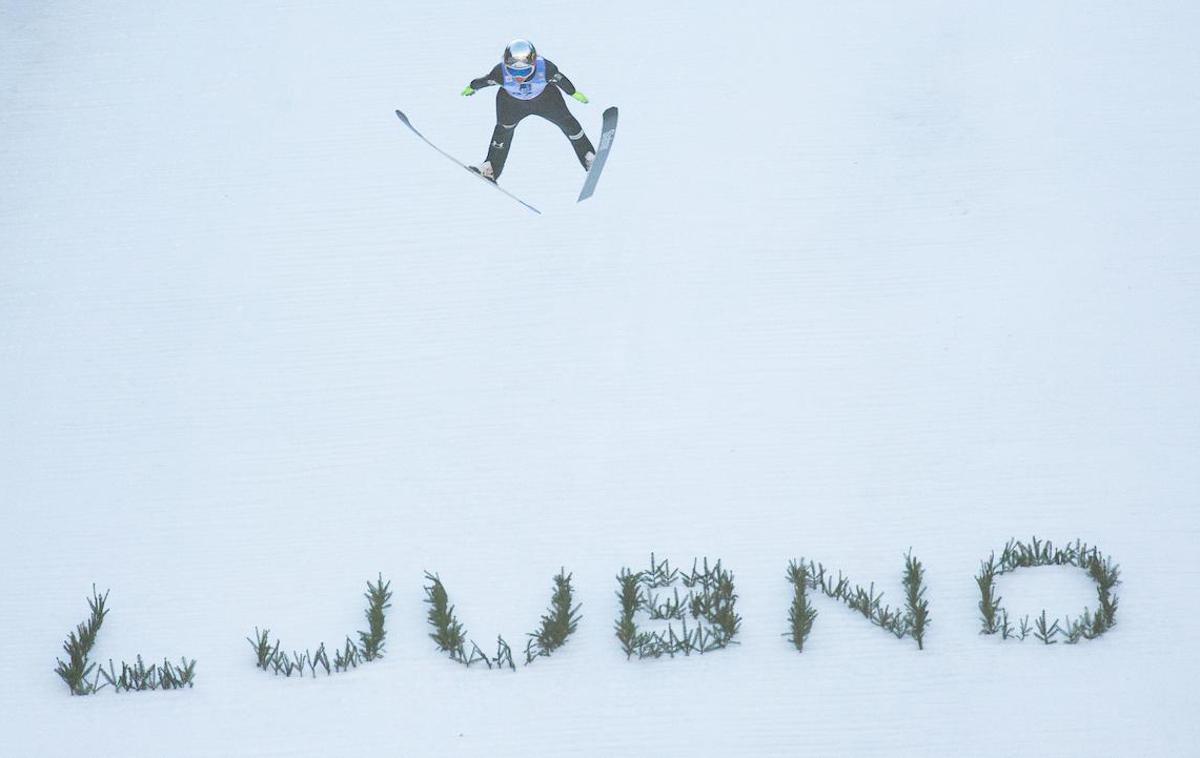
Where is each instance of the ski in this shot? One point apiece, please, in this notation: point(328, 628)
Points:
point(608, 129)
point(406, 122)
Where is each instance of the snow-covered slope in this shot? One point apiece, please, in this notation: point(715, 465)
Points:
point(859, 277)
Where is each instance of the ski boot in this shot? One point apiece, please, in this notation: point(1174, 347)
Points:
point(485, 170)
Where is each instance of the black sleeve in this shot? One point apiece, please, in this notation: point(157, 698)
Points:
point(556, 76)
point(493, 78)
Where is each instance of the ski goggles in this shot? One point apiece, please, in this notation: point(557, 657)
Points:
point(520, 73)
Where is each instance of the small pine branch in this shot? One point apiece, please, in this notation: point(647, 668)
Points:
point(801, 615)
point(91, 628)
point(346, 658)
point(477, 656)
point(659, 575)
point(378, 596)
point(503, 655)
point(263, 650)
point(448, 633)
point(1006, 629)
point(1046, 631)
point(559, 622)
point(917, 618)
point(630, 595)
point(76, 670)
point(989, 604)
point(726, 622)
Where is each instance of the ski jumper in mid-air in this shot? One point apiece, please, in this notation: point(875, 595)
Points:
point(525, 81)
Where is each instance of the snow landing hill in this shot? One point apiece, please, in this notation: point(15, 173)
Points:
point(859, 277)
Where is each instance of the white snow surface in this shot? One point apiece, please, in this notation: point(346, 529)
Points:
point(859, 277)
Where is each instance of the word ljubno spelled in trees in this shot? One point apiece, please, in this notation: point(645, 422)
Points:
point(694, 612)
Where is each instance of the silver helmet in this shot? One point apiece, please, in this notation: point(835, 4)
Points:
point(520, 53)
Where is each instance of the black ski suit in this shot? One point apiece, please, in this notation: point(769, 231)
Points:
point(549, 105)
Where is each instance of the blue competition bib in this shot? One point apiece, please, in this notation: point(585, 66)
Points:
point(529, 89)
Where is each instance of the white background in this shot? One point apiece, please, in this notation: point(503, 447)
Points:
point(859, 277)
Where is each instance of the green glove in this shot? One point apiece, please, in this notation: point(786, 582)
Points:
point(467, 91)
point(580, 96)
